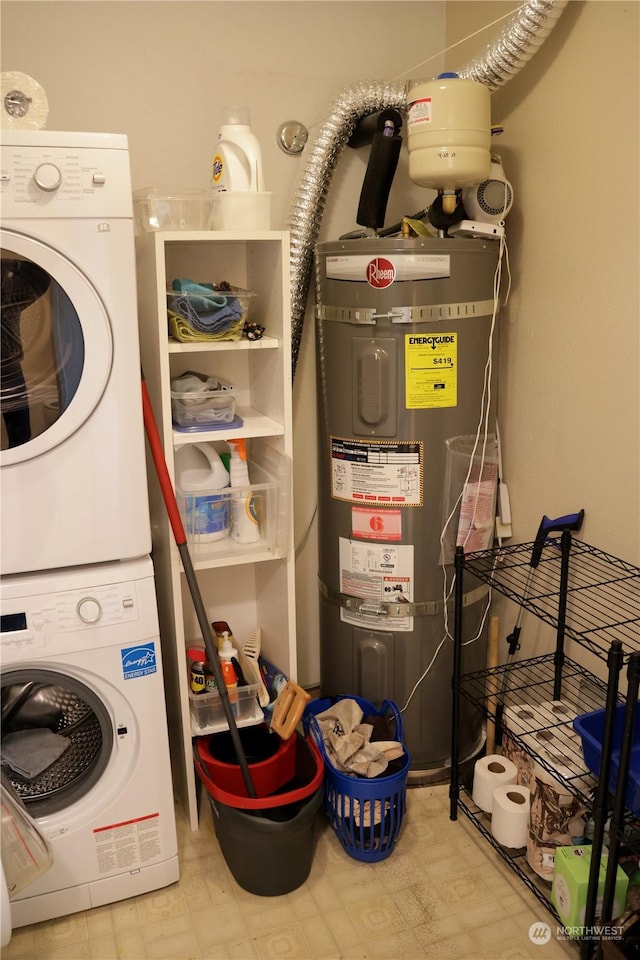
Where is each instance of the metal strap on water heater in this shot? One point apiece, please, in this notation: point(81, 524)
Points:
point(428, 313)
point(428, 608)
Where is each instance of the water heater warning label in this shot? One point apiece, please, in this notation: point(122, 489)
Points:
point(431, 370)
point(377, 472)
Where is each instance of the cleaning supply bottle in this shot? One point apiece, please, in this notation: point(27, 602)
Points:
point(237, 159)
point(199, 473)
point(244, 521)
point(227, 652)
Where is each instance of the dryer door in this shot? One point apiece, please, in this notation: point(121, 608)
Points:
point(56, 348)
point(57, 738)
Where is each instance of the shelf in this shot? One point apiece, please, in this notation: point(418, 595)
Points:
point(205, 346)
point(255, 425)
point(516, 859)
point(603, 600)
point(530, 683)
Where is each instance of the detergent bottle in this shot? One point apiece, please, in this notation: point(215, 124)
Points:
point(200, 472)
point(237, 159)
point(244, 521)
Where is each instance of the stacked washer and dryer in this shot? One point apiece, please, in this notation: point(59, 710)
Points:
point(84, 730)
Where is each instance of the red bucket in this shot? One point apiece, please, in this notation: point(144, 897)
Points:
point(277, 763)
point(291, 774)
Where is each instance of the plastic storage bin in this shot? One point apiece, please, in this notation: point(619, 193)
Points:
point(154, 209)
point(366, 814)
point(206, 408)
point(207, 711)
point(590, 726)
point(268, 842)
point(220, 314)
point(270, 475)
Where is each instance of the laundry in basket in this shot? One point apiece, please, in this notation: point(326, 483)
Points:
point(366, 813)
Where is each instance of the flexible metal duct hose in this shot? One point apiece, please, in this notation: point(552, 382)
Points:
point(502, 59)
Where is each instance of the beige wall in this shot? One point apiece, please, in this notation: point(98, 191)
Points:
point(570, 358)
point(570, 353)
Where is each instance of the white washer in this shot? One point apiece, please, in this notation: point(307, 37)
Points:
point(72, 464)
point(87, 641)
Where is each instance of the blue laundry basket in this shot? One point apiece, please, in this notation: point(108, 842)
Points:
point(366, 814)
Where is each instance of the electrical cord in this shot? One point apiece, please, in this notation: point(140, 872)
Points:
point(482, 431)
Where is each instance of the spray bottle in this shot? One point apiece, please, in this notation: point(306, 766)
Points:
point(244, 522)
point(237, 159)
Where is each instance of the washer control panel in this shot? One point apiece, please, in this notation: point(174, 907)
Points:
point(31, 621)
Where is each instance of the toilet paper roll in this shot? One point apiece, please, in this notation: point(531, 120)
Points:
point(510, 815)
point(488, 773)
point(24, 104)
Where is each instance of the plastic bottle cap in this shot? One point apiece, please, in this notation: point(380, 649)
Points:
point(197, 654)
point(448, 76)
point(236, 114)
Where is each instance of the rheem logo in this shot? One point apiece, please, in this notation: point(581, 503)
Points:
point(380, 273)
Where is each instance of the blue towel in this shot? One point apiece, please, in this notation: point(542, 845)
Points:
point(205, 309)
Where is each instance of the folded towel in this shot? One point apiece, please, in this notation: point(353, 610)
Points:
point(29, 752)
point(182, 330)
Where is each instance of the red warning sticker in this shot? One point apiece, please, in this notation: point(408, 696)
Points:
point(371, 524)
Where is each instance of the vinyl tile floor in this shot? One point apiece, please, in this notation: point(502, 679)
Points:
point(443, 894)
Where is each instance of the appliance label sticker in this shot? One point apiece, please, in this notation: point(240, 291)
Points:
point(138, 661)
point(377, 472)
point(431, 370)
point(377, 573)
point(380, 272)
point(367, 523)
point(128, 845)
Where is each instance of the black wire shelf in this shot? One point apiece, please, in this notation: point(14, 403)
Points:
point(603, 592)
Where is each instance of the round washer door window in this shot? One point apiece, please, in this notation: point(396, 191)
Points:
point(56, 348)
point(57, 738)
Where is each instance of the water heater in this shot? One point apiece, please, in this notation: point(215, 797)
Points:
point(404, 330)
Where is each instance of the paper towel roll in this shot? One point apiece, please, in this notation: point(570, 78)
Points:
point(510, 815)
point(24, 102)
point(488, 773)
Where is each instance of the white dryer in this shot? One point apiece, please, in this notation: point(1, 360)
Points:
point(81, 669)
point(72, 459)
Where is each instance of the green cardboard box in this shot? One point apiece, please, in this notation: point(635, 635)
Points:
point(570, 882)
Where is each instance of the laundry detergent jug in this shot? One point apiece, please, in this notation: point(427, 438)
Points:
point(200, 474)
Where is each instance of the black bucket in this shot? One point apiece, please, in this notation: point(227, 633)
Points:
point(268, 842)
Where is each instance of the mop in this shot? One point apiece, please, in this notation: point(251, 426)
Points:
point(168, 495)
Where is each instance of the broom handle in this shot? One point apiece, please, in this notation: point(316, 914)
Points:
point(492, 683)
point(169, 497)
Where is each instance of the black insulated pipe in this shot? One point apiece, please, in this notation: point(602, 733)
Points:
point(381, 169)
point(367, 127)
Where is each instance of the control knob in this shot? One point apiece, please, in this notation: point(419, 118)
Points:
point(47, 177)
point(89, 610)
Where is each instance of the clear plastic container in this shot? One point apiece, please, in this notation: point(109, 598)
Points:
point(219, 316)
point(213, 404)
point(154, 209)
point(207, 712)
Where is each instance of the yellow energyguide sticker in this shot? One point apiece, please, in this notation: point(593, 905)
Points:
point(431, 370)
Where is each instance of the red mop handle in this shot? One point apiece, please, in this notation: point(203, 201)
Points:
point(155, 445)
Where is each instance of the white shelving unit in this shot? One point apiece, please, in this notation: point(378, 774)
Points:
point(250, 586)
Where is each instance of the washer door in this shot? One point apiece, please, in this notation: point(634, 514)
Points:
point(56, 348)
point(57, 738)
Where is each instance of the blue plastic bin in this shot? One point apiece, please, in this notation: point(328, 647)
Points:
point(366, 814)
point(590, 726)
